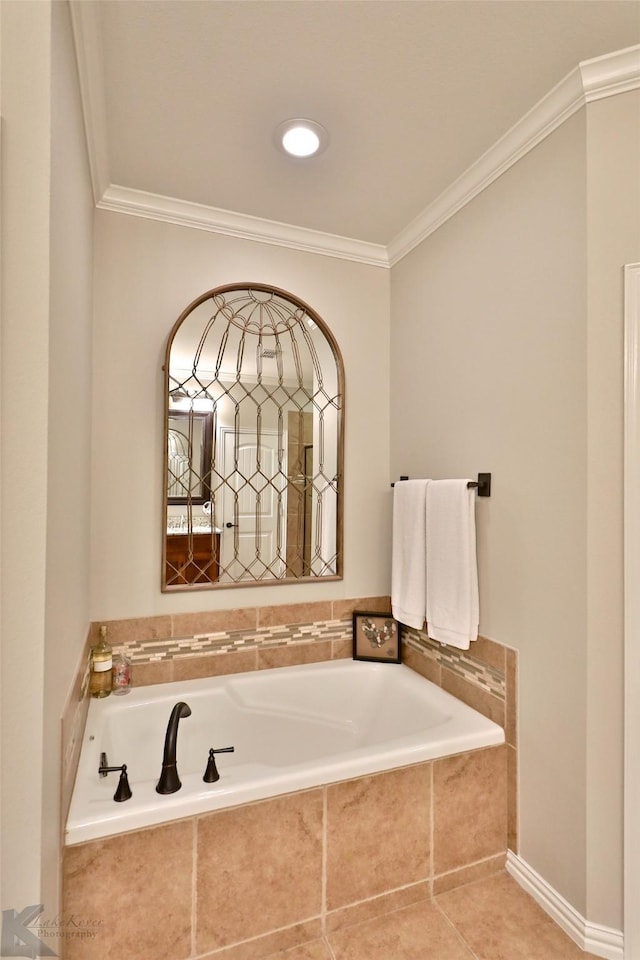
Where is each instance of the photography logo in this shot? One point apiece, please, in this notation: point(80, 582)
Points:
point(17, 940)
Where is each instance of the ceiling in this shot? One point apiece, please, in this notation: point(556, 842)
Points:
point(184, 96)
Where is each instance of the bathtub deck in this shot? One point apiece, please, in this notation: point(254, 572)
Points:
point(292, 729)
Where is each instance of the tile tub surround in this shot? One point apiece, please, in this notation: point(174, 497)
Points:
point(186, 646)
point(190, 645)
point(72, 724)
point(486, 678)
point(245, 882)
point(268, 636)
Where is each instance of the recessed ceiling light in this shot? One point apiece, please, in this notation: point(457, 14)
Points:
point(301, 138)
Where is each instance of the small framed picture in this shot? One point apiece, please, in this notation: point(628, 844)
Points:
point(376, 636)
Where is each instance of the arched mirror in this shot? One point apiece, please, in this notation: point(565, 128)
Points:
point(253, 450)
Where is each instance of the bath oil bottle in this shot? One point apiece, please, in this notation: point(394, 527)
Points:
point(101, 664)
point(121, 673)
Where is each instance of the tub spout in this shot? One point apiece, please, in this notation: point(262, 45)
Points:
point(169, 780)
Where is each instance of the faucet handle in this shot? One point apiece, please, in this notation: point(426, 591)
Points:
point(123, 790)
point(211, 774)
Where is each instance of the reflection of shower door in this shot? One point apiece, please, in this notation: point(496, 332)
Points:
point(299, 494)
point(308, 507)
point(253, 503)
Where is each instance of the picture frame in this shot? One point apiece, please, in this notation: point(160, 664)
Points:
point(376, 637)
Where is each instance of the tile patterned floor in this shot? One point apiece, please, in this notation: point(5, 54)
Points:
point(492, 919)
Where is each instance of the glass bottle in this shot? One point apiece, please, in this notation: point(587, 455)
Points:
point(101, 664)
point(121, 673)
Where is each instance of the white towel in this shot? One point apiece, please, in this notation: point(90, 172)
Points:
point(452, 570)
point(408, 571)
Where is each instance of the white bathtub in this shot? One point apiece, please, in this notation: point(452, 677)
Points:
point(292, 728)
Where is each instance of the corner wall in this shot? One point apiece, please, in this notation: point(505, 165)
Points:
point(613, 195)
point(489, 373)
point(26, 124)
point(69, 420)
point(507, 351)
point(47, 212)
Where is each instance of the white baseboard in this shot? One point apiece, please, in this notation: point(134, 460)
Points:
point(602, 941)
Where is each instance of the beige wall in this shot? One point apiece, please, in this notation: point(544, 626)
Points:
point(146, 273)
point(613, 195)
point(25, 63)
point(69, 416)
point(46, 319)
point(507, 356)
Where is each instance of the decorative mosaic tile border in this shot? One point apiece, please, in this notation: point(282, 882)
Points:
point(153, 651)
point(460, 662)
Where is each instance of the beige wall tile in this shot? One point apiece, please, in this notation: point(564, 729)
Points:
point(425, 666)
point(213, 621)
point(156, 671)
point(128, 631)
point(73, 726)
point(342, 649)
point(512, 798)
point(75, 702)
point(367, 854)
point(511, 726)
point(81, 671)
point(489, 652)
point(481, 700)
point(139, 885)
point(294, 653)
point(259, 868)
point(214, 664)
point(70, 715)
point(469, 808)
point(294, 613)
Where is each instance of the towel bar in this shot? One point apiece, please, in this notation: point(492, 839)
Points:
point(482, 484)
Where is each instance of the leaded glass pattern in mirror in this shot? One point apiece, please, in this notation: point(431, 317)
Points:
point(254, 414)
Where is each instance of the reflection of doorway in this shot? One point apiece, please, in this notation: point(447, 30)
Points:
point(300, 458)
point(251, 509)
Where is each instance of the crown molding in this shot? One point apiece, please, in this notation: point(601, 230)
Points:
point(614, 73)
point(565, 99)
point(200, 217)
point(545, 117)
point(591, 80)
point(86, 37)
